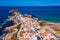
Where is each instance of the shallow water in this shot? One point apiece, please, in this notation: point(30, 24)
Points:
point(46, 13)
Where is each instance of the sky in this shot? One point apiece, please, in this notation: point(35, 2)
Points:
point(29, 2)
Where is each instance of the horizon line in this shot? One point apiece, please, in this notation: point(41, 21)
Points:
point(44, 5)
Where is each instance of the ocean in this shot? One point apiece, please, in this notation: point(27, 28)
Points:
point(45, 13)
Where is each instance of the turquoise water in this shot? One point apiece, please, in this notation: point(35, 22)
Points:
point(51, 19)
point(45, 13)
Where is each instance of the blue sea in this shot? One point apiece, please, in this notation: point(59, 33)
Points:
point(46, 13)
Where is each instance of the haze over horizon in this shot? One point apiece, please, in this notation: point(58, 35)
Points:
point(29, 2)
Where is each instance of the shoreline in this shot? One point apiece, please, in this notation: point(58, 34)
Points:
point(54, 23)
point(26, 27)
